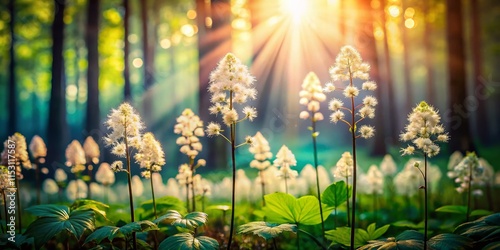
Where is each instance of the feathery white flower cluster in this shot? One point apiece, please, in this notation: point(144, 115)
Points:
point(50, 186)
point(91, 149)
point(38, 148)
point(284, 160)
point(374, 181)
point(4, 179)
point(348, 66)
point(424, 130)
point(185, 175)
point(189, 127)
point(388, 166)
point(126, 126)
point(344, 166)
point(230, 83)
point(150, 155)
point(261, 151)
point(20, 154)
point(105, 175)
point(408, 180)
point(311, 96)
point(60, 176)
point(467, 172)
point(75, 157)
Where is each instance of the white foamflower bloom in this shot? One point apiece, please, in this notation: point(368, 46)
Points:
point(137, 186)
point(150, 155)
point(5, 183)
point(344, 166)
point(455, 158)
point(285, 158)
point(366, 131)
point(423, 130)
point(190, 127)
point(262, 152)
point(311, 96)
point(50, 186)
point(408, 181)
point(467, 173)
point(91, 149)
point(60, 175)
point(388, 166)
point(105, 175)
point(77, 189)
point(213, 129)
point(374, 180)
point(126, 126)
point(18, 142)
point(75, 157)
point(185, 175)
point(37, 147)
point(349, 64)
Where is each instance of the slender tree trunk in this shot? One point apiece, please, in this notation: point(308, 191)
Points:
point(482, 123)
point(429, 52)
point(148, 42)
point(57, 128)
point(406, 62)
point(127, 92)
point(12, 100)
point(91, 40)
point(460, 130)
point(392, 119)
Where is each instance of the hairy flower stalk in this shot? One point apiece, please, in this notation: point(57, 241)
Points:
point(467, 172)
point(423, 131)
point(125, 125)
point(185, 177)
point(39, 152)
point(21, 159)
point(150, 158)
point(262, 153)
point(311, 96)
point(92, 154)
point(344, 169)
point(190, 127)
point(284, 160)
point(231, 84)
point(349, 66)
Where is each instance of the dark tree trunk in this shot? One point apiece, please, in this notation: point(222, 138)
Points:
point(91, 40)
point(127, 92)
point(429, 52)
point(12, 74)
point(482, 123)
point(148, 43)
point(393, 121)
point(214, 42)
point(406, 63)
point(368, 48)
point(459, 126)
point(57, 129)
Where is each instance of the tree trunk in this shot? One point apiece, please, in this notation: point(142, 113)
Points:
point(57, 127)
point(127, 92)
point(148, 54)
point(12, 100)
point(459, 123)
point(368, 48)
point(429, 52)
point(482, 123)
point(406, 63)
point(393, 121)
point(91, 40)
point(214, 42)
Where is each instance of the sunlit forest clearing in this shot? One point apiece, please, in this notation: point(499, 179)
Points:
point(250, 124)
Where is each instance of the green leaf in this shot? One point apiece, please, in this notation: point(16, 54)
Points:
point(407, 240)
point(371, 229)
point(492, 246)
point(378, 232)
point(408, 224)
point(450, 241)
point(453, 209)
point(341, 235)
point(56, 218)
point(484, 230)
point(410, 235)
point(480, 212)
point(186, 241)
point(111, 232)
point(335, 194)
point(284, 208)
point(190, 221)
point(266, 230)
point(163, 205)
point(219, 207)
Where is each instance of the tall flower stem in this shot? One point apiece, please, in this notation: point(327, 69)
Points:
point(129, 178)
point(263, 185)
point(20, 227)
point(233, 132)
point(354, 167)
point(37, 180)
point(286, 185)
point(187, 195)
point(347, 203)
point(315, 149)
point(191, 165)
point(153, 195)
point(5, 209)
point(425, 202)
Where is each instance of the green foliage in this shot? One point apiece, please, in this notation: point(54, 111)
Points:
point(335, 194)
point(342, 235)
point(53, 219)
point(96, 206)
point(450, 241)
point(483, 231)
point(266, 230)
point(190, 221)
point(453, 209)
point(186, 241)
point(285, 208)
point(163, 205)
point(407, 240)
point(111, 232)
